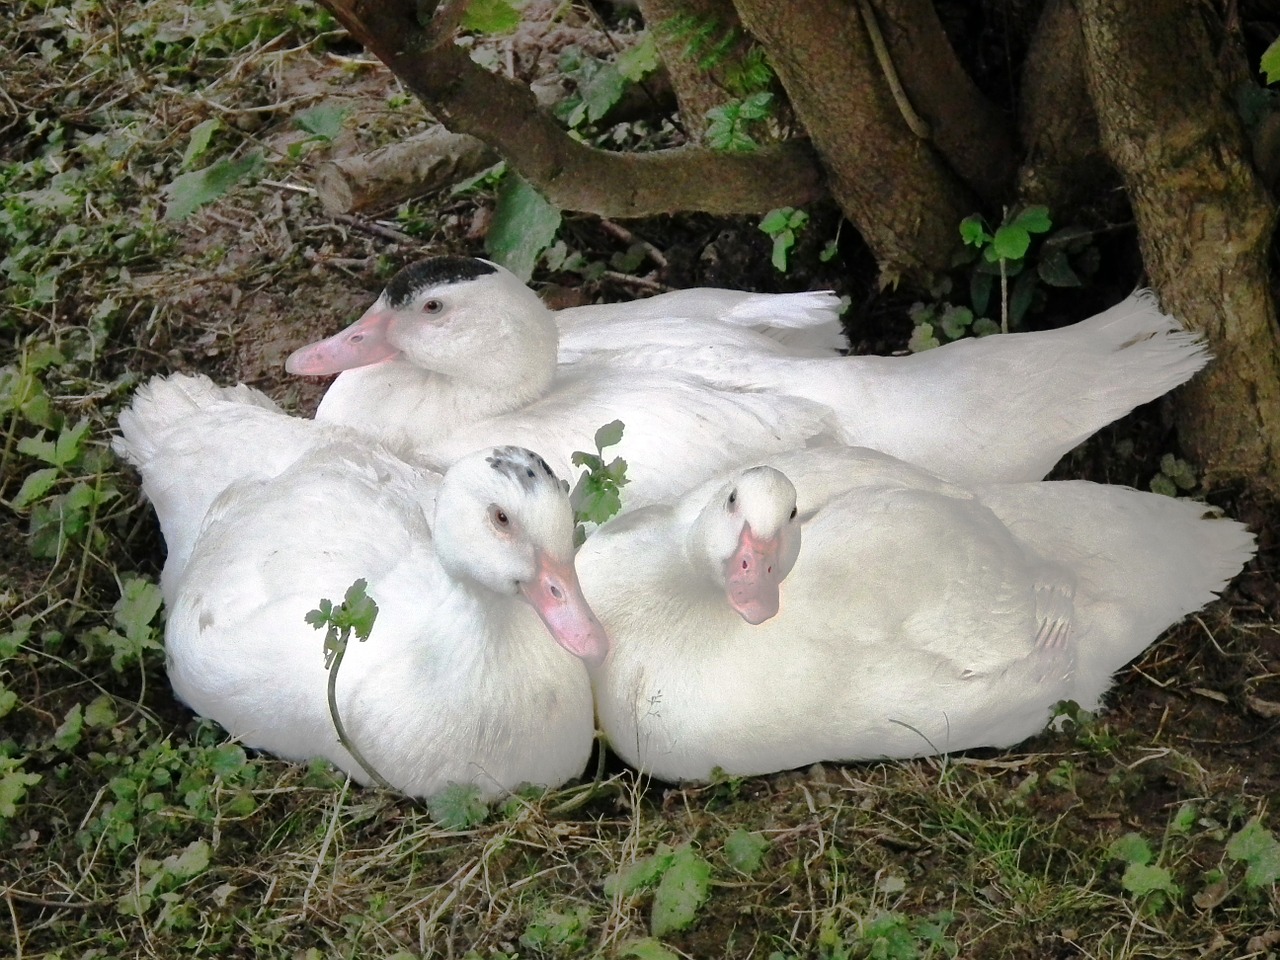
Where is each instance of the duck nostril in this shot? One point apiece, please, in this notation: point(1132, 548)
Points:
point(746, 565)
point(357, 338)
point(556, 592)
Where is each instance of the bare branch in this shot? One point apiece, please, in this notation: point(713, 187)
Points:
point(400, 171)
point(468, 99)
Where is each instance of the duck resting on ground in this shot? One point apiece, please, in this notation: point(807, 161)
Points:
point(457, 350)
point(475, 368)
point(919, 617)
point(191, 439)
point(474, 670)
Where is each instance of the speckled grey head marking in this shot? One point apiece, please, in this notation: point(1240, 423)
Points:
point(523, 466)
point(427, 273)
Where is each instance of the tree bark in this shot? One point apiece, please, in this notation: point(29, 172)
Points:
point(468, 99)
point(1063, 159)
point(697, 87)
point(974, 135)
point(1204, 219)
point(888, 181)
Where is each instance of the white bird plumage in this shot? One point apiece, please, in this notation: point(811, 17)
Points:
point(459, 351)
point(920, 616)
point(460, 681)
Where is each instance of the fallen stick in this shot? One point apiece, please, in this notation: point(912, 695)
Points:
point(400, 171)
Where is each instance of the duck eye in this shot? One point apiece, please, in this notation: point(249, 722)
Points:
point(733, 498)
point(432, 306)
point(793, 514)
point(499, 517)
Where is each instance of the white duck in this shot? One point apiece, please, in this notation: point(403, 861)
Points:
point(191, 439)
point(455, 341)
point(459, 682)
point(919, 617)
point(469, 359)
point(805, 324)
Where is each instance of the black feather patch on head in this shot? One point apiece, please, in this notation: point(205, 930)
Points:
point(428, 273)
point(523, 466)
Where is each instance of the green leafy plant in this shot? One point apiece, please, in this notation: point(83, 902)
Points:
point(490, 16)
point(13, 785)
point(744, 850)
point(524, 224)
point(597, 495)
point(323, 122)
point(134, 637)
point(356, 614)
point(744, 72)
point(458, 807)
point(163, 877)
point(1142, 878)
point(892, 936)
point(646, 948)
point(940, 322)
point(728, 126)
point(158, 788)
point(1022, 249)
point(556, 932)
point(782, 225)
point(598, 84)
point(191, 191)
point(1084, 727)
point(1005, 250)
point(681, 882)
point(1175, 475)
point(1269, 63)
point(1258, 849)
point(63, 497)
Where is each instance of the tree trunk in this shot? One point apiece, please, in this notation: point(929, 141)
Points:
point(1063, 160)
point(1204, 219)
point(973, 134)
point(696, 86)
point(888, 181)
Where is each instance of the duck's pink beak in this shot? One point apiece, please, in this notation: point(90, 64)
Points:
point(752, 577)
point(362, 343)
point(555, 593)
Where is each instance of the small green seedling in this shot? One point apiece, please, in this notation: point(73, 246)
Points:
point(1175, 475)
point(681, 883)
point(744, 850)
point(943, 322)
point(597, 495)
point(323, 122)
point(727, 125)
point(458, 807)
point(782, 225)
point(1259, 850)
point(356, 614)
point(1142, 878)
point(1005, 249)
